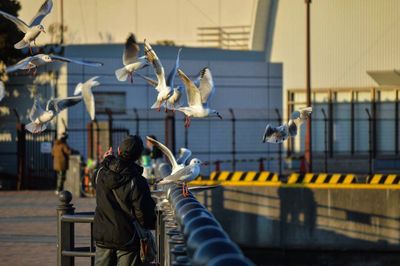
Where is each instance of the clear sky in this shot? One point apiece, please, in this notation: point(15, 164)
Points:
point(109, 21)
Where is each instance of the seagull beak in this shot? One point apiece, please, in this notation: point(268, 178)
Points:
point(43, 31)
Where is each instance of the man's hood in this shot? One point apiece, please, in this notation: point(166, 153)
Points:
point(119, 171)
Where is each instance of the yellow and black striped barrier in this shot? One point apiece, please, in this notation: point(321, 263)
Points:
point(311, 178)
point(381, 179)
point(239, 176)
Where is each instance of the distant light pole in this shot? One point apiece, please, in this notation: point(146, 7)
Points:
point(308, 146)
point(369, 141)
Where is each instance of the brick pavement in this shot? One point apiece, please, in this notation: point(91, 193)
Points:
point(28, 227)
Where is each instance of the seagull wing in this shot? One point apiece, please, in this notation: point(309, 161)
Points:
point(79, 62)
point(277, 135)
point(172, 74)
point(300, 116)
point(20, 24)
point(150, 81)
point(184, 156)
point(59, 104)
point(131, 50)
point(88, 96)
point(179, 175)
point(206, 86)
point(44, 10)
point(20, 65)
point(152, 57)
point(36, 110)
point(166, 151)
point(192, 92)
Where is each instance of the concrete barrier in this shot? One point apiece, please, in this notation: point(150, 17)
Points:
point(310, 216)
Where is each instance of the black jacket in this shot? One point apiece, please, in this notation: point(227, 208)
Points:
point(112, 227)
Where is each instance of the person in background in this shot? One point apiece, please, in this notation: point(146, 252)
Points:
point(60, 153)
point(156, 156)
point(119, 181)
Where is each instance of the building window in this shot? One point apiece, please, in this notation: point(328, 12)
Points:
point(115, 101)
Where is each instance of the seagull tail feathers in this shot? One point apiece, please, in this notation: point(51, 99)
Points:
point(34, 129)
point(122, 74)
point(156, 105)
point(21, 44)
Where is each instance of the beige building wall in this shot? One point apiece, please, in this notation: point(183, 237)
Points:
point(109, 21)
point(348, 37)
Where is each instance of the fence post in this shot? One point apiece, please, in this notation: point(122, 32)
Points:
point(217, 166)
point(137, 121)
point(233, 119)
point(369, 141)
point(21, 152)
point(325, 140)
point(65, 231)
point(280, 144)
point(170, 131)
point(261, 165)
point(110, 127)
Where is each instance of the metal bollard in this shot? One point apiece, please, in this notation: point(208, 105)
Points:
point(65, 231)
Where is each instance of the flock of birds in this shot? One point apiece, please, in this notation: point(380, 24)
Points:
point(198, 91)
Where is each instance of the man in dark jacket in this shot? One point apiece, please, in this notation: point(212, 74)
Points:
point(117, 243)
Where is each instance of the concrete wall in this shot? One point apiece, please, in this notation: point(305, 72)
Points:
point(288, 217)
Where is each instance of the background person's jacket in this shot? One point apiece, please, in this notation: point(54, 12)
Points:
point(112, 227)
point(60, 152)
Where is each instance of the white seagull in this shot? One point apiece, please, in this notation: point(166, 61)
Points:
point(171, 158)
point(281, 133)
point(33, 62)
point(198, 96)
point(130, 60)
point(86, 90)
point(41, 117)
point(164, 91)
point(34, 29)
point(174, 101)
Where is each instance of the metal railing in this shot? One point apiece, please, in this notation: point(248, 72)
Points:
point(186, 233)
point(66, 219)
point(226, 37)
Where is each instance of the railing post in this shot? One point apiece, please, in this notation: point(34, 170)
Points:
point(369, 141)
point(65, 231)
point(21, 152)
point(261, 165)
point(233, 119)
point(325, 140)
point(217, 166)
point(280, 144)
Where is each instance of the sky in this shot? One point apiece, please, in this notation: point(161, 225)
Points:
point(110, 21)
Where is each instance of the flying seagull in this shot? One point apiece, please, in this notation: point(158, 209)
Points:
point(33, 62)
point(281, 133)
point(86, 90)
point(130, 60)
point(35, 27)
point(40, 117)
point(174, 101)
point(164, 91)
point(198, 96)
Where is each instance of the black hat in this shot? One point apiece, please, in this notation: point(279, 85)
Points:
point(131, 147)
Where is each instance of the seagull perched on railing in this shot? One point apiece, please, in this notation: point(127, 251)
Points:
point(130, 60)
point(34, 29)
point(281, 133)
point(181, 173)
point(41, 117)
point(88, 98)
point(198, 96)
point(33, 62)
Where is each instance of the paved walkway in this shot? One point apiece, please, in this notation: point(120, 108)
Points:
point(28, 227)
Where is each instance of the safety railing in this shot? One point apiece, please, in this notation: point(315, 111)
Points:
point(66, 219)
point(186, 233)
